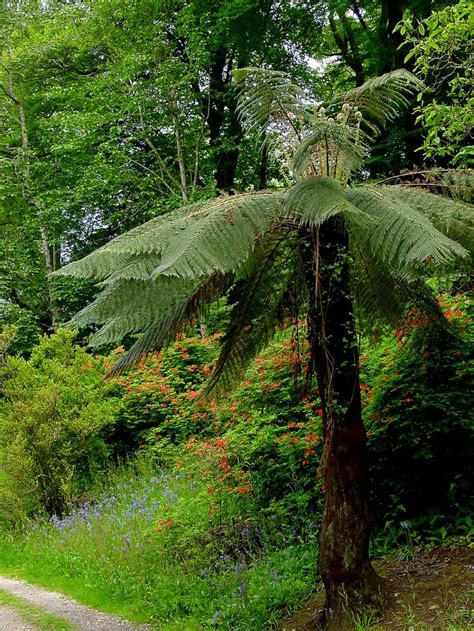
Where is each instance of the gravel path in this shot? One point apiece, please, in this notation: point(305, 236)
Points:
point(12, 621)
point(79, 616)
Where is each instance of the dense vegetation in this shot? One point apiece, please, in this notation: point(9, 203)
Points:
point(284, 349)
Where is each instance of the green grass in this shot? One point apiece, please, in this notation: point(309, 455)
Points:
point(36, 616)
point(151, 548)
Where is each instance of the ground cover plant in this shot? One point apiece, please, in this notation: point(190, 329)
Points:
point(218, 566)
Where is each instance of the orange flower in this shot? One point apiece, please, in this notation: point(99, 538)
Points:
point(220, 443)
point(211, 490)
point(192, 394)
point(276, 384)
point(243, 489)
point(308, 452)
point(313, 438)
point(164, 523)
point(224, 464)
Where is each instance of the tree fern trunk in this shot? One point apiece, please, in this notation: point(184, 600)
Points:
point(349, 579)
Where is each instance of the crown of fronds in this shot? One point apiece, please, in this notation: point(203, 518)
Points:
point(161, 276)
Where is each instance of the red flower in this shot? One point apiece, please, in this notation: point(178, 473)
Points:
point(243, 489)
point(192, 394)
point(224, 464)
point(409, 400)
point(220, 443)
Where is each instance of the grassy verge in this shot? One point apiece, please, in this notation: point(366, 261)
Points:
point(161, 548)
point(36, 616)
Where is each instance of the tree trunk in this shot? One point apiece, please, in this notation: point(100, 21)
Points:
point(349, 579)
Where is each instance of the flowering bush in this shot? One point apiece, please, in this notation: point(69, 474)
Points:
point(158, 397)
point(270, 423)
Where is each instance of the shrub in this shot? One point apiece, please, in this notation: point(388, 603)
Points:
point(160, 393)
point(419, 415)
point(52, 419)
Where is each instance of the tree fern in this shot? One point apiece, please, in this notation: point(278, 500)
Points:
point(159, 275)
point(381, 99)
point(343, 249)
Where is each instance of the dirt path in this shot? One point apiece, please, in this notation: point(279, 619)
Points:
point(11, 620)
point(79, 616)
point(431, 592)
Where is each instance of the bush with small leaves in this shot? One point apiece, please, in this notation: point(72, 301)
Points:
point(53, 416)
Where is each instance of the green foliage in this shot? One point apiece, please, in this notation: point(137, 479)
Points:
point(52, 419)
point(161, 274)
point(441, 47)
point(160, 547)
point(160, 395)
point(419, 417)
point(27, 328)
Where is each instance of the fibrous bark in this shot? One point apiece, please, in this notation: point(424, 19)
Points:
point(350, 582)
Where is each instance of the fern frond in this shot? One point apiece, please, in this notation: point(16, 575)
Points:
point(134, 305)
point(196, 240)
point(344, 143)
point(256, 313)
point(450, 216)
point(383, 296)
point(314, 200)
point(178, 316)
point(399, 235)
point(381, 99)
point(268, 96)
point(150, 238)
point(221, 240)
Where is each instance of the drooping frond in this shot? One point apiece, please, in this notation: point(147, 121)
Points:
point(257, 310)
point(453, 218)
point(196, 240)
point(399, 235)
point(156, 309)
point(221, 240)
point(381, 99)
point(268, 96)
point(181, 314)
point(382, 295)
point(314, 200)
point(133, 306)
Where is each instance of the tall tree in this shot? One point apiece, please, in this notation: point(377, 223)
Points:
point(344, 249)
point(127, 110)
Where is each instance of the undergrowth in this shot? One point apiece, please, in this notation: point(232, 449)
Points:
point(157, 546)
